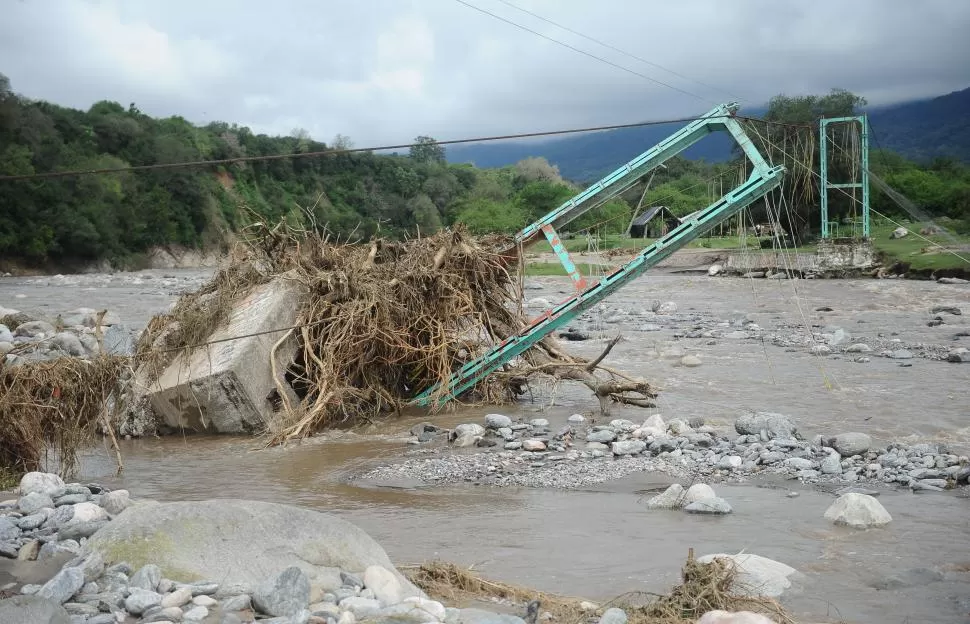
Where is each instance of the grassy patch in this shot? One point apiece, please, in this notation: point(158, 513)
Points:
point(9, 479)
point(910, 249)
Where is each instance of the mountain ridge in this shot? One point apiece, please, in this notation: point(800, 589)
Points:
point(919, 130)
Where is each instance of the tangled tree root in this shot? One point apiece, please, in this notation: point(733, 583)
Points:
point(703, 588)
point(53, 405)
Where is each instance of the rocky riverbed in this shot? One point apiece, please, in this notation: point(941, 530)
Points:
point(103, 532)
point(580, 454)
point(723, 349)
point(230, 561)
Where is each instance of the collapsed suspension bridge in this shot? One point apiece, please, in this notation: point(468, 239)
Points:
point(763, 178)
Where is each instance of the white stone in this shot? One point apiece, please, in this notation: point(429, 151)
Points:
point(576, 419)
point(386, 587)
point(655, 422)
point(858, 511)
point(533, 445)
point(41, 483)
point(361, 608)
point(730, 462)
point(698, 492)
point(347, 617)
point(628, 447)
point(433, 607)
point(469, 429)
point(177, 598)
point(88, 512)
point(205, 601)
point(714, 269)
point(195, 614)
point(756, 575)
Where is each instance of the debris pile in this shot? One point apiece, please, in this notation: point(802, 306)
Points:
point(55, 405)
point(298, 333)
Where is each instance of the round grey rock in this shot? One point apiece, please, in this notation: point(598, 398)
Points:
point(603, 436)
point(497, 421)
point(849, 444)
point(33, 502)
point(141, 600)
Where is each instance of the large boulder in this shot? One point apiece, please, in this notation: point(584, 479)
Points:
point(756, 575)
point(239, 541)
point(849, 444)
point(858, 511)
point(33, 609)
point(768, 425)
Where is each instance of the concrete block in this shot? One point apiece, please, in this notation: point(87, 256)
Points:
point(845, 254)
point(227, 387)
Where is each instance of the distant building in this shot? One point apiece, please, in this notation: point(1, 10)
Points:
point(654, 223)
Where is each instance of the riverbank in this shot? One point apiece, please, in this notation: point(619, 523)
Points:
point(99, 557)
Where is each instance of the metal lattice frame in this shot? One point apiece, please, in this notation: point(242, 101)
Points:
point(863, 182)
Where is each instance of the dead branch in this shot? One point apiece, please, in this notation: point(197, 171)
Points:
point(592, 365)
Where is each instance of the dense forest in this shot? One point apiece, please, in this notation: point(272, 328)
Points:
point(76, 220)
point(118, 216)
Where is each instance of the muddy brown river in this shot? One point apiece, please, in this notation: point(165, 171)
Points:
point(600, 542)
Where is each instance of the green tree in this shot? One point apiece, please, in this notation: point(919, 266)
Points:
point(427, 150)
point(483, 216)
point(537, 198)
point(424, 213)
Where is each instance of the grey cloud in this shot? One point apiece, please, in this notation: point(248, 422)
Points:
point(383, 71)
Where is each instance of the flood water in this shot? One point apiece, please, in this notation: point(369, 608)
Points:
point(602, 541)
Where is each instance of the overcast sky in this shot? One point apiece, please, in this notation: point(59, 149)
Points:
point(384, 71)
